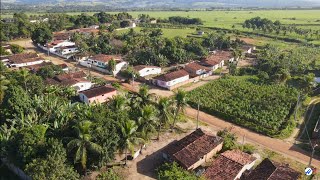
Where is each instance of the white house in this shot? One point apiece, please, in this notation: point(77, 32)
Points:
point(132, 25)
point(194, 69)
point(247, 49)
point(100, 63)
point(171, 79)
point(99, 94)
point(56, 45)
point(144, 70)
point(76, 80)
point(217, 59)
point(65, 50)
point(24, 59)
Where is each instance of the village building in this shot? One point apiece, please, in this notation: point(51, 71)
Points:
point(153, 21)
point(100, 62)
point(65, 50)
point(217, 60)
point(195, 69)
point(61, 36)
point(145, 70)
point(193, 150)
point(35, 68)
point(229, 165)
point(22, 60)
point(172, 79)
point(268, 170)
point(76, 80)
point(7, 48)
point(99, 94)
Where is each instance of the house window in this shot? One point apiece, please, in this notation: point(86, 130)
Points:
point(81, 86)
point(89, 101)
point(102, 95)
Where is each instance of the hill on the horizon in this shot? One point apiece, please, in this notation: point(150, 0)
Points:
point(175, 3)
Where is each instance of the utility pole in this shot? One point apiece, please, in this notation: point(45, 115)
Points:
point(198, 114)
point(312, 153)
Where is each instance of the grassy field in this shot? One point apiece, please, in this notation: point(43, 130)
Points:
point(170, 33)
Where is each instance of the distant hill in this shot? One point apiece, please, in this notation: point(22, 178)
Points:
point(175, 3)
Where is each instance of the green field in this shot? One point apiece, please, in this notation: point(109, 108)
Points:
point(244, 101)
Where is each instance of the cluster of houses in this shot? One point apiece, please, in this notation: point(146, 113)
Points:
point(196, 150)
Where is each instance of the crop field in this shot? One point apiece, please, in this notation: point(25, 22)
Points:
point(262, 108)
point(170, 33)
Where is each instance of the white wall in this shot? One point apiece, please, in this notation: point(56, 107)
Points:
point(83, 98)
point(27, 64)
point(119, 66)
point(81, 86)
point(246, 167)
point(62, 44)
point(149, 71)
point(69, 51)
point(173, 82)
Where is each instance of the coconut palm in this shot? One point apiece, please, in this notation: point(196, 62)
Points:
point(143, 97)
point(24, 73)
point(129, 137)
point(118, 103)
point(181, 103)
point(82, 144)
point(165, 112)
point(3, 86)
point(148, 121)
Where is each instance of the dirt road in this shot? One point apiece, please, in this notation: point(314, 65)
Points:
point(286, 148)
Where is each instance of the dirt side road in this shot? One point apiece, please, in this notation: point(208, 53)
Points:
point(277, 145)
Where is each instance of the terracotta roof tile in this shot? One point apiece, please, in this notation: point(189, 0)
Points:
point(192, 148)
point(79, 74)
point(105, 58)
point(140, 67)
point(217, 58)
point(97, 91)
point(172, 75)
point(268, 170)
point(228, 165)
point(21, 58)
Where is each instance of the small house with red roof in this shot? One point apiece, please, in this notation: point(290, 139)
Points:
point(217, 60)
point(193, 150)
point(172, 79)
point(229, 165)
point(99, 94)
point(195, 69)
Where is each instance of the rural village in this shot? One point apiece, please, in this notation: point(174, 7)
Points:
point(175, 128)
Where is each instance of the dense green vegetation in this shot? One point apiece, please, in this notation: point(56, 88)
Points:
point(169, 171)
point(48, 134)
point(263, 108)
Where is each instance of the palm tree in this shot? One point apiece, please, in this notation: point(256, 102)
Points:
point(3, 86)
point(147, 121)
point(165, 112)
point(181, 102)
point(143, 97)
point(82, 144)
point(129, 137)
point(112, 66)
point(24, 73)
point(118, 103)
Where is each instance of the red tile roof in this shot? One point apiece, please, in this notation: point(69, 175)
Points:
point(21, 58)
point(268, 170)
point(105, 58)
point(36, 67)
point(140, 67)
point(195, 67)
point(97, 91)
point(191, 148)
point(228, 165)
point(217, 58)
point(172, 75)
point(79, 74)
point(67, 79)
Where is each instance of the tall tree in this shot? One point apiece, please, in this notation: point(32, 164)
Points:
point(112, 66)
point(165, 112)
point(3, 86)
point(181, 103)
point(129, 137)
point(82, 144)
point(41, 35)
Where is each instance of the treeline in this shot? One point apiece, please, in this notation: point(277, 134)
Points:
point(21, 27)
point(277, 27)
point(150, 48)
point(182, 20)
